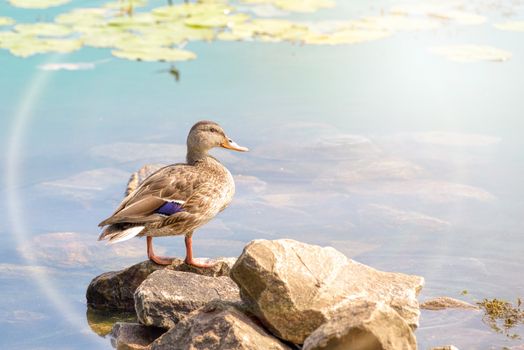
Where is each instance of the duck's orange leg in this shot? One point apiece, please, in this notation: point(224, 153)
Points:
point(151, 254)
point(189, 254)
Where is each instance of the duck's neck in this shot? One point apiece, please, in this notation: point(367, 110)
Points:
point(194, 155)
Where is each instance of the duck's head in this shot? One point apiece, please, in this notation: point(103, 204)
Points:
point(205, 135)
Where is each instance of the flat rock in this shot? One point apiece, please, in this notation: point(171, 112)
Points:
point(167, 296)
point(114, 290)
point(442, 303)
point(218, 326)
point(294, 288)
point(363, 325)
point(133, 336)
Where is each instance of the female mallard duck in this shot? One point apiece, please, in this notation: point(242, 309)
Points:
point(178, 198)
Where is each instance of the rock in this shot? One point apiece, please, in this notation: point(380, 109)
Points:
point(166, 296)
point(363, 325)
point(133, 336)
point(293, 287)
point(102, 322)
point(114, 290)
point(218, 326)
point(445, 347)
point(442, 303)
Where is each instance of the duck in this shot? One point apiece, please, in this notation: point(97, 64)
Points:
point(179, 198)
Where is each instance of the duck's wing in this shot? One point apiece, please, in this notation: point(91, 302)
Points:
point(172, 184)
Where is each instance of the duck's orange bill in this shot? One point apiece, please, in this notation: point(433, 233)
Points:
point(230, 144)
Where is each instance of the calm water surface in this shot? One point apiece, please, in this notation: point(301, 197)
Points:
point(398, 158)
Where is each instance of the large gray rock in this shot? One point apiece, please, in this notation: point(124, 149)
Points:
point(441, 303)
point(218, 326)
point(133, 336)
point(166, 296)
point(114, 290)
point(363, 325)
point(294, 288)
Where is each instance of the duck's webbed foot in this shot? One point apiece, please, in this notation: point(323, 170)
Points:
point(160, 260)
point(195, 263)
point(189, 254)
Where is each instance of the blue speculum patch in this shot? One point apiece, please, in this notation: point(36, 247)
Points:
point(169, 208)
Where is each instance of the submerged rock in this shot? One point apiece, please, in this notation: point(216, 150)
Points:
point(441, 303)
point(102, 322)
point(166, 296)
point(114, 290)
point(294, 288)
point(133, 336)
point(363, 325)
point(218, 326)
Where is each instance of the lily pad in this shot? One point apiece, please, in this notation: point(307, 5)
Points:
point(155, 54)
point(43, 29)
point(216, 21)
point(25, 46)
point(117, 5)
point(191, 9)
point(105, 37)
point(37, 4)
point(295, 5)
point(514, 26)
point(82, 17)
point(6, 21)
point(472, 53)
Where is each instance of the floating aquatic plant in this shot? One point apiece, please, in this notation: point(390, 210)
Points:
point(502, 316)
point(37, 4)
point(151, 34)
point(514, 26)
point(472, 53)
point(6, 21)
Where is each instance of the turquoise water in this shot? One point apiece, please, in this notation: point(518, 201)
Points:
point(397, 157)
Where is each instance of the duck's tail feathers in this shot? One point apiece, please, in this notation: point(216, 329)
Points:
point(117, 233)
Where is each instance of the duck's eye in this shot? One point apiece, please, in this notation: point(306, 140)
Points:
point(213, 130)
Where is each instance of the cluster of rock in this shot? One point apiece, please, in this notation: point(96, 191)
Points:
point(280, 294)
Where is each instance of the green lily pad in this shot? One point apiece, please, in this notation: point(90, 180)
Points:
point(104, 37)
point(178, 32)
point(117, 5)
point(133, 22)
point(472, 53)
point(6, 21)
point(459, 17)
point(514, 26)
point(295, 5)
point(215, 20)
point(37, 4)
point(25, 46)
point(82, 17)
point(155, 54)
point(43, 29)
point(191, 9)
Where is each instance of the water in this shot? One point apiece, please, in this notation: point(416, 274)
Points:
point(397, 157)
